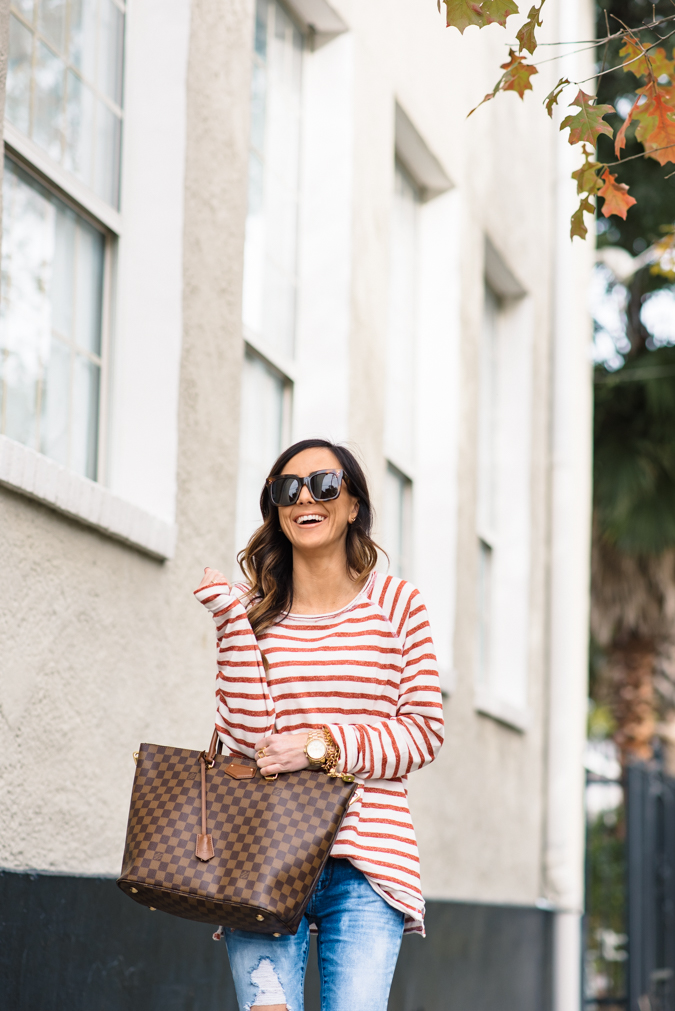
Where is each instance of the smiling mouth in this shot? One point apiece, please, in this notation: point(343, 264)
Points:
point(309, 520)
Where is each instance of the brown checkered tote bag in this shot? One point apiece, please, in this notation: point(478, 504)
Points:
point(210, 839)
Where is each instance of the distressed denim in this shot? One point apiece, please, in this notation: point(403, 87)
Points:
point(358, 944)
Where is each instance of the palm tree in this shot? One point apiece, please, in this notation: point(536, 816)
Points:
point(633, 559)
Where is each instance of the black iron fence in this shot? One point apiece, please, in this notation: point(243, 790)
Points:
point(630, 894)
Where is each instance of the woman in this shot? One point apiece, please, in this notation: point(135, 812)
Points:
point(325, 663)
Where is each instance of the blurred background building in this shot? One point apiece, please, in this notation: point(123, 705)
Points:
point(226, 227)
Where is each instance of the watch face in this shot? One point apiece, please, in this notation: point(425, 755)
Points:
point(316, 750)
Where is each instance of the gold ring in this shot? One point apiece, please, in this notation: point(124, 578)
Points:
point(262, 753)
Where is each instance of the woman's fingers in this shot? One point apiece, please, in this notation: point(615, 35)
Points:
point(212, 576)
point(281, 753)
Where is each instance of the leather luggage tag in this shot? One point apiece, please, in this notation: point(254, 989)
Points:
point(237, 771)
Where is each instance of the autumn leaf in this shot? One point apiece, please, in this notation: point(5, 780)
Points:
point(587, 125)
point(587, 176)
point(620, 139)
point(525, 36)
point(553, 96)
point(516, 77)
point(517, 74)
point(461, 14)
point(656, 128)
point(664, 252)
point(578, 225)
point(497, 11)
point(644, 63)
point(617, 200)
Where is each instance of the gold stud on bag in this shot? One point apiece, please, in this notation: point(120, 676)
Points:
point(210, 839)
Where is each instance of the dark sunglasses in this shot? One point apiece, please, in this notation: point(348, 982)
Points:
point(323, 485)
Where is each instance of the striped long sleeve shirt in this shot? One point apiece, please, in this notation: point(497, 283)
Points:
point(369, 674)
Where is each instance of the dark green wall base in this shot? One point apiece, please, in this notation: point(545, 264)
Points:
point(78, 944)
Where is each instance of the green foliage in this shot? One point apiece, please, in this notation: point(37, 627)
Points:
point(634, 466)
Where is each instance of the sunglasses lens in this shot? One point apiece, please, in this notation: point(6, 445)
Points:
point(325, 486)
point(284, 491)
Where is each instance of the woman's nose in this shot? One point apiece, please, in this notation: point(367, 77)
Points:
point(304, 498)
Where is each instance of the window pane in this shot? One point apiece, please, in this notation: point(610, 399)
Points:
point(262, 394)
point(89, 288)
point(82, 44)
point(484, 613)
point(63, 281)
point(399, 419)
point(84, 426)
point(270, 262)
point(52, 22)
point(107, 153)
point(49, 95)
point(73, 79)
point(55, 401)
point(79, 128)
point(396, 520)
point(17, 107)
point(110, 41)
point(50, 323)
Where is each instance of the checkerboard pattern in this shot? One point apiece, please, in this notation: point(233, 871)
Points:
point(271, 840)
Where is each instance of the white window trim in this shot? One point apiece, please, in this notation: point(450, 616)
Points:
point(29, 151)
point(488, 704)
point(36, 476)
point(281, 363)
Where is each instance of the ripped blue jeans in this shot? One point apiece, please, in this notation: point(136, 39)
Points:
point(358, 944)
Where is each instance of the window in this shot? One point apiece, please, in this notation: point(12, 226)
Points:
point(264, 403)
point(64, 85)
point(270, 258)
point(396, 520)
point(270, 255)
point(503, 509)
point(487, 422)
point(64, 96)
point(53, 266)
point(402, 330)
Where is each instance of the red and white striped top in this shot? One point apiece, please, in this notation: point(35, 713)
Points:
point(369, 674)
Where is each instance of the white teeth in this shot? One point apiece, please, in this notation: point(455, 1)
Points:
point(309, 516)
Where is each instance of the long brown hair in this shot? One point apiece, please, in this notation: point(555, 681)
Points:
point(267, 559)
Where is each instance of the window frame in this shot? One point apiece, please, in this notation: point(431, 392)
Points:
point(106, 304)
point(31, 150)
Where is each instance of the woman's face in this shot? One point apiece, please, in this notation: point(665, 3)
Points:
point(310, 525)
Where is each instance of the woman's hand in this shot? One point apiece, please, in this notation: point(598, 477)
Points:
point(213, 576)
point(283, 753)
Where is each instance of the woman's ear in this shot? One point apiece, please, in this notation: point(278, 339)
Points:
point(354, 512)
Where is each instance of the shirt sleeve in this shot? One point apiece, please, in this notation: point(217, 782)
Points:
point(244, 706)
point(394, 747)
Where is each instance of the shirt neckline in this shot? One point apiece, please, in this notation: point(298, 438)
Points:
point(333, 614)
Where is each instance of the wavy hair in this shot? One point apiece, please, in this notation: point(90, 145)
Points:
point(267, 559)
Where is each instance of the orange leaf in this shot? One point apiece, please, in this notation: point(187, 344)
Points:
point(617, 200)
point(620, 141)
point(587, 125)
point(517, 74)
point(640, 63)
point(656, 130)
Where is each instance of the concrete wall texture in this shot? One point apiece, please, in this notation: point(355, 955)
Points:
point(102, 646)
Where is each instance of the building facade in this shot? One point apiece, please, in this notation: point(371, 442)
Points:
point(226, 227)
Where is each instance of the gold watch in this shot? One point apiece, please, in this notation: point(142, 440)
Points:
point(316, 748)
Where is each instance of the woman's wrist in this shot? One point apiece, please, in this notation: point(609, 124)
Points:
point(332, 758)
